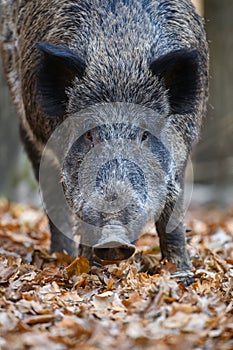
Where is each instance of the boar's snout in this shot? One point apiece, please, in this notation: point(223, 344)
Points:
point(114, 244)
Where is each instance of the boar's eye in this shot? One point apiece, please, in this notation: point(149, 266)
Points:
point(145, 136)
point(89, 136)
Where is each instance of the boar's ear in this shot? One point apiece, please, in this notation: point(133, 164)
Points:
point(179, 72)
point(57, 69)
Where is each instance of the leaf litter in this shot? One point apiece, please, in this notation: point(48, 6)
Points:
point(57, 302)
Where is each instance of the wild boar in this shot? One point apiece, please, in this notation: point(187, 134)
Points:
point(110, 96)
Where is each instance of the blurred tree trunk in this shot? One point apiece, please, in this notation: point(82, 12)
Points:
point(199, 5)
point(16, 179)
point(9, 139)
point(214, 155)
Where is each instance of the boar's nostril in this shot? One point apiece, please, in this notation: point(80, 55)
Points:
point(114, 253)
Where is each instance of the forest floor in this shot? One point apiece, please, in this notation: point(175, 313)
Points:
point(53, 302)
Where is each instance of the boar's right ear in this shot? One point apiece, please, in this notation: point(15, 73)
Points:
point(57, 69)
point(179, 71)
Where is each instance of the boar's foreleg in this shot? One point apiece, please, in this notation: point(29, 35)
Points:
point(171, 234)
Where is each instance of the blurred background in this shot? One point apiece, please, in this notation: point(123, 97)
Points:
point(212, 159)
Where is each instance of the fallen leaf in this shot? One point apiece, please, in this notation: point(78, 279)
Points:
point(77, 267)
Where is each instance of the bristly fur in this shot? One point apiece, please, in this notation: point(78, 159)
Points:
point(65, 56)
point(116, 39)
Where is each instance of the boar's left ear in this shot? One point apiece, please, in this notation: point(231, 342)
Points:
point(57, 69)
point(179, 72)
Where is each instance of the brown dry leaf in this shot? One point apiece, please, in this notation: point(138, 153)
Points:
point(75, 326)
point(7, 272)
point(8, 226)
point(77, 267)
point(169, 267)
point(55, 302)
point(133, 298)
point(63, 258)
point(107, 303)
point(39, 319)
point(103, 301)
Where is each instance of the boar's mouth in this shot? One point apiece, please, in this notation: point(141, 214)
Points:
point(114, 244)
point(116, 253)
